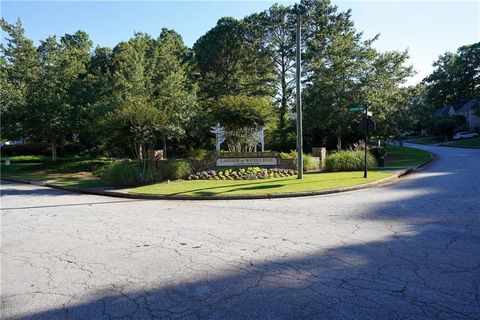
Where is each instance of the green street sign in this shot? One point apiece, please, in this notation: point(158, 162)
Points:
point(357, 108)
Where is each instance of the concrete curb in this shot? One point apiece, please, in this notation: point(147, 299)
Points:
point(381, 182)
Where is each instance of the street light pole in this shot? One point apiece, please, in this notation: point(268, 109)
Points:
point(299, 100)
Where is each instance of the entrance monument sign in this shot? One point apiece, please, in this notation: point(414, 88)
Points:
point(253, 161)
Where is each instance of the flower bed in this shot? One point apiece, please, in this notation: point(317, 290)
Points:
point(252, 173)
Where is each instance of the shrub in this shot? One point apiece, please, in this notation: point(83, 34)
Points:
point(122, 173)
point(378, 152)
point(292, 155)
point(251, 173)
point(26, 149)
point(198, 154)
point(74, 166)
point(179, 170)
point(70, 149)
point(348, 161)
point(310, 162)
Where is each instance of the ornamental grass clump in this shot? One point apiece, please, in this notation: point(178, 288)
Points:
point(179, 170)
point(309, 162)
point(121, 173)
point(348, 161)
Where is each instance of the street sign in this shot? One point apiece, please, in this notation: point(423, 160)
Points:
point(357, 108)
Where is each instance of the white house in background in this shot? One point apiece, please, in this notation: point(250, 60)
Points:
point(470, 110)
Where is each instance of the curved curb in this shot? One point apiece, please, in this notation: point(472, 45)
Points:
point(384, 181)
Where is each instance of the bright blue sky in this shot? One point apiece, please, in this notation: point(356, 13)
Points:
point(427, 28)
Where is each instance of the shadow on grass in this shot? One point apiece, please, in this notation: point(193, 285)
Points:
point(256, 185)
point(259, 187)
point(425, 265)
point(426, 269)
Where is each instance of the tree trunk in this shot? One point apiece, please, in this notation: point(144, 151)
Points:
point(339, 142)
point(164, 147)
point(54, 150)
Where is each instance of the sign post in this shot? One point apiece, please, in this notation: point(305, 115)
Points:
point(367, 125)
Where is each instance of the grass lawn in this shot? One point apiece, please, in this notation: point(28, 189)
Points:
point(426, 140)
point(469, 143)
point(51, 172)
point(403, 157)
point(310, 182)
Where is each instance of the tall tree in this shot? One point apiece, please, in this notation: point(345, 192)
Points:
point(173, 92)
point(277, 27)
point(55, 109)
point(336, 61)
point(156, 71)
point(455, 78)
point(230, 60)
point(19, 68)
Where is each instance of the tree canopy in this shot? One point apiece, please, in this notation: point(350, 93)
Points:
point(240, 73)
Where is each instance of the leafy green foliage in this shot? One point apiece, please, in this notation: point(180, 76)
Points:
point(230, 61)
point(310, 163)
point(199, 154)
point(75, 166)
point(445, 127)
point(348, 161)
point(378, 152)
point(26, 149)
point(241, 116)
point(455, 78)
point(126, 173)
point(179, 170)
point(122, 173)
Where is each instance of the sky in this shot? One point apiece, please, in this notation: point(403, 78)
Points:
point(426, 28)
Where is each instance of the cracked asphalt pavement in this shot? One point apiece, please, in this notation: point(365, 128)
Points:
point(409, 250)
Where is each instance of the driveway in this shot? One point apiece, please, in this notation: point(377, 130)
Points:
point(410, 250)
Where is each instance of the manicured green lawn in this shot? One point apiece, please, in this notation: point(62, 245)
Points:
point(426, 140)
point(469, 143)
point(403, 157)
point(53, 172)
point(310, 182)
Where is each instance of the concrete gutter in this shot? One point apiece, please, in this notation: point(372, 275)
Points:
point(112, 193)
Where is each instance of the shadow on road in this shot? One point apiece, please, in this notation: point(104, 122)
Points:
point(428, 270)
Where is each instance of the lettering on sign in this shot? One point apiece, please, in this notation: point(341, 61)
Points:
point(231, 162)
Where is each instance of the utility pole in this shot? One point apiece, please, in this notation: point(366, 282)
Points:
point(299, 99)
point(365, 171)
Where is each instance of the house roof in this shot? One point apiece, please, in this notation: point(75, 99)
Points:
point(468, 106)
point(457, 106)
point(442, 111)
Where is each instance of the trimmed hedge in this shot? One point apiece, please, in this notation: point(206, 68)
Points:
point(378, 152)
point(26, 149)
point(348, 161)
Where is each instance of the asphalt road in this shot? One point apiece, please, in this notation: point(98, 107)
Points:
point(410, 250)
